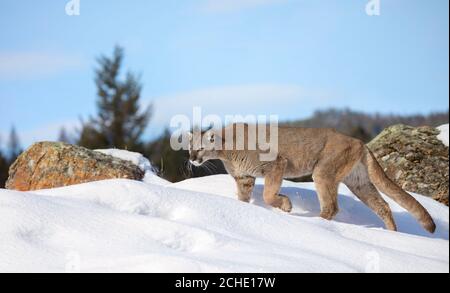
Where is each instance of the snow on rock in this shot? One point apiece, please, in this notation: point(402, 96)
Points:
point(139, 160)
point(198, 225)
point(443, 136)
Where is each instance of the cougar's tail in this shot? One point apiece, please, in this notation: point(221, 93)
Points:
point(388, 187)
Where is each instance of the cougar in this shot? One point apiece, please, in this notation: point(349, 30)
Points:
point(329, 156)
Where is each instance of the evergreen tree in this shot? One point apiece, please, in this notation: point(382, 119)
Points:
point(14, 148)
point(4, 166)
point(91, 138)
point(119, 122)
point(63, 136)
point(170, 164)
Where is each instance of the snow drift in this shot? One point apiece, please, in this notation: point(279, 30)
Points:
point(198, 225)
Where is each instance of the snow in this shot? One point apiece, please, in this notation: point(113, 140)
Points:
point(139, 160)
point(443, 136)
point(198, 225)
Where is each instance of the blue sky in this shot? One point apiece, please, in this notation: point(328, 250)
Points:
point(284, 57)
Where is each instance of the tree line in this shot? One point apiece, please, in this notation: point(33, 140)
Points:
point(366, 126)
point(121, 120)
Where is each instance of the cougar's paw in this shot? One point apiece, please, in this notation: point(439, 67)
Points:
point(328, 213)
point(286, 204)
point(244, 198)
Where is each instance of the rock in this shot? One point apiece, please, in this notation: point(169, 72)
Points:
point(442, 197)
point(415, 159)
point(56, 164)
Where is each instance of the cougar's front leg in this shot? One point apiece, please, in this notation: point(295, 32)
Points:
point(327, 192)
point(245, 186)
point(272, 185)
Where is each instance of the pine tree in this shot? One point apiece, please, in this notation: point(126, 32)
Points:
point(4, 166)
point(119, 122)
point(91, 138)
point(63, 136)
point(170, 164)
point(14, 148)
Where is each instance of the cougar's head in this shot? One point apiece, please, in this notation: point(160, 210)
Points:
point(203, 147)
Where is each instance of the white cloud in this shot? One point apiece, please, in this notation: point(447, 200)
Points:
point(236, 5)
point(25, 65)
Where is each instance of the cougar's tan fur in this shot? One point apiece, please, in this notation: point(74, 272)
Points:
point(330, 157)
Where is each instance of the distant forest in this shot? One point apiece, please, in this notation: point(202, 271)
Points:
point(366, 126)
point(121, 121)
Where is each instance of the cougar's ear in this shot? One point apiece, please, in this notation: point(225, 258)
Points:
point(189, 135)
point(217, 139)
point(211, 136)
point(211, 139)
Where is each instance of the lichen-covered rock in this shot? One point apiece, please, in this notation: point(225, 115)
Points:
point(56, 164)
point(441, 197)
point(415, 159)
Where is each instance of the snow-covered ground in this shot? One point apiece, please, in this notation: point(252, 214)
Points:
point(198, 225)
point(443, 136)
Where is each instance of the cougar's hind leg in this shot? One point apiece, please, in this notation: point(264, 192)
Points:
point(336, 163)
point(358, 182)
